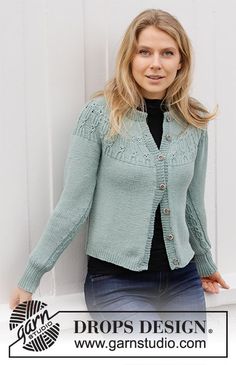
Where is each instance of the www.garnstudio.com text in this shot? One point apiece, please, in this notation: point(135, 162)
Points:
point(162, 343)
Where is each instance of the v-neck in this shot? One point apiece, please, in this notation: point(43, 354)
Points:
point(150, 142)
point(141, 117)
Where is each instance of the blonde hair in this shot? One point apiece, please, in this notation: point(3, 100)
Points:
point(122, 93)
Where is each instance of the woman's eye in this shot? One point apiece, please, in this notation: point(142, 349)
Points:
point(168, 52)
point(143, 51)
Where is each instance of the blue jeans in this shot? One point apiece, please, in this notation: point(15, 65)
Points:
point(178, 290)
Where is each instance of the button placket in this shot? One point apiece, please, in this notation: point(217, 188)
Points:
point(168, 118)
point(161, 157)
point(162, 186)
point(169, 237)
point(175, 261)
point(168, 137)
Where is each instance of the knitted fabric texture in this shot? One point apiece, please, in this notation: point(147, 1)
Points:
point(119, 183)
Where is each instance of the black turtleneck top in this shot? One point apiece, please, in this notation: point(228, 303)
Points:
point(158, 260)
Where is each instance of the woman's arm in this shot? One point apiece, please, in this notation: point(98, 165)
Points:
point(73, 207)
point(195, 211)
point(197, 222)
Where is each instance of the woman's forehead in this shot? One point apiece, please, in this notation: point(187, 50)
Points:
point(153, 37)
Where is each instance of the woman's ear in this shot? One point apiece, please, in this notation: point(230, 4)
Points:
point(179, 67)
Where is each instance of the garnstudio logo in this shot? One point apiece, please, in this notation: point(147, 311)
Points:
point(35, 327)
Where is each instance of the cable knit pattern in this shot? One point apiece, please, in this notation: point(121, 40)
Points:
point(89, 122)
point(195, 225)
point(120, 183)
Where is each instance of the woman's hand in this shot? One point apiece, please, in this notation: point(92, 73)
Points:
point(18, 296)
point(210, 283)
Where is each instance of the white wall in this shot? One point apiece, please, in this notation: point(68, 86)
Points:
point(54, 54)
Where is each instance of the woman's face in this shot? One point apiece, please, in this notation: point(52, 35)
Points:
point(157, 54)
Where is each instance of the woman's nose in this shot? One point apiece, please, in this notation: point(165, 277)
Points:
point(156, 62)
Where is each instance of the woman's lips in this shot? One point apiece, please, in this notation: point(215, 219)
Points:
point(155, 80)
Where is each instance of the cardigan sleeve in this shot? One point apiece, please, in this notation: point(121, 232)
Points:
point(196, 213)
point(72, 209)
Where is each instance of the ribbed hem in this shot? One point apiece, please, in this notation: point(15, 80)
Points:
point(31, 278)
point(117, 258)
point(205, 264)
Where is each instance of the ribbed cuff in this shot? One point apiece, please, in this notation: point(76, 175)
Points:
point(31, 278)
point(205, 264)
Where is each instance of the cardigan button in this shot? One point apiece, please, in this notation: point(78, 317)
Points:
point(161, 157)
point(168, 137)
point(166, 210)
point(170, 237)
point(162, 186)
point(176, 261)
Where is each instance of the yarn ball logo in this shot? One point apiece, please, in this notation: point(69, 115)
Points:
point(34, 325)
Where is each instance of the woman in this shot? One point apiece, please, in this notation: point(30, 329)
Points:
point(137, 163)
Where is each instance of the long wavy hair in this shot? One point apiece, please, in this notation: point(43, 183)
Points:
point(122, 93)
